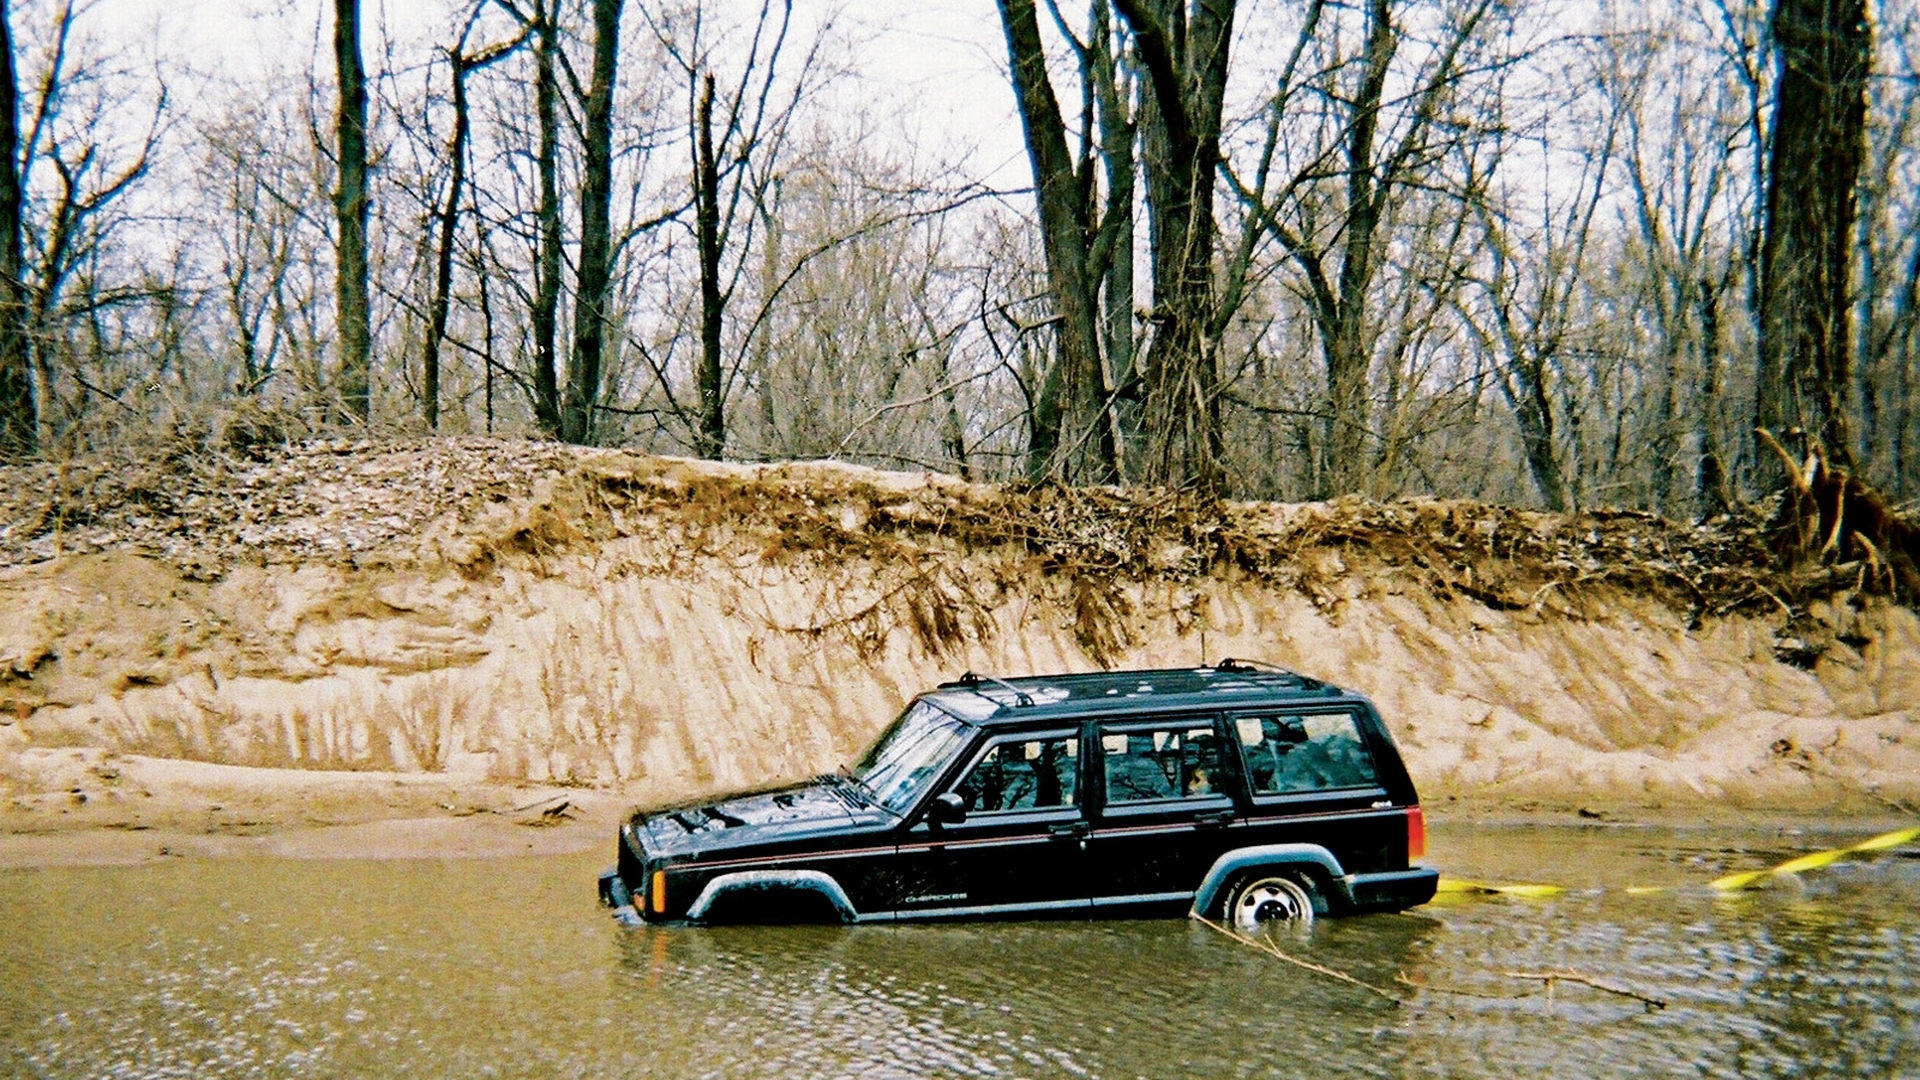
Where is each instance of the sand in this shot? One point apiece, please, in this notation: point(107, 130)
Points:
point(295, 664)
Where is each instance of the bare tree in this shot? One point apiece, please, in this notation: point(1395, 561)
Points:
point(1364, 154)
point(585, 373)
point(738, 134)
point(350, 207)
point(711, 441)
point(856, 318)
point(1463, 251)
point(1077, 392)
point(1682, 106)
point(18, 415)
point(1805, 376)
point(462, 65)
point(1889, 259)
point(258, 227)
point(546, 303)
point(1183, 48)
point(77, 157)
point(1532, 300)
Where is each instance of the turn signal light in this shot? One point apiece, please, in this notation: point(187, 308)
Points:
point(1416, 834)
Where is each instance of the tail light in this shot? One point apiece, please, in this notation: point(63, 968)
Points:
point(657, 893)
point(1416, 834)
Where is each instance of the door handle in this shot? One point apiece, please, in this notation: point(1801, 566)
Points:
point(1077, 830)
point(1216, 819)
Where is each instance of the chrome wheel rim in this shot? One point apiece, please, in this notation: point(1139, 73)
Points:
point(1270, 900)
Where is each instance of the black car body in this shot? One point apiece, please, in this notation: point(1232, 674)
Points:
point(1236, 792)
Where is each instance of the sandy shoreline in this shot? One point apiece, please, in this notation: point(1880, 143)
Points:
point(153, 810)
point(126, 809)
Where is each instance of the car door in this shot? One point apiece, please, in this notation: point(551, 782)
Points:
point(1165, 812)
point(1020, 850)
point(1312, 778)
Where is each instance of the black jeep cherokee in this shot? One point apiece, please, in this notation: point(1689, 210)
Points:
point(1238, 792)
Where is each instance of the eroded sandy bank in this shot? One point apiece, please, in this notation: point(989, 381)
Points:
point(292, 667)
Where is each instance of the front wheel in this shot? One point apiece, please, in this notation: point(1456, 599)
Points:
point(613, 889)
point(1263, 900)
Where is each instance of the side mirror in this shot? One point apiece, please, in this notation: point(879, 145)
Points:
point(947, 809)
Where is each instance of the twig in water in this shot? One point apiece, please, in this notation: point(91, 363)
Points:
point(1551, 977)
point(1459, 991)
point(1267, 946)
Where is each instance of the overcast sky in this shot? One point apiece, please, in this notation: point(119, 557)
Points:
point(935, 65)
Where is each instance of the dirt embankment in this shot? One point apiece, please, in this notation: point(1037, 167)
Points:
point(332, 636)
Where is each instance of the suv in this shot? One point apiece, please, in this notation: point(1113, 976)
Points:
point(1238, 792)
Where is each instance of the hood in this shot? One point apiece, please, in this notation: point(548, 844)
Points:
point(746, 820)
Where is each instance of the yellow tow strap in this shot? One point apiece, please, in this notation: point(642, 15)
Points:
point(1746, 879)
point(1479, 888)
point(1750, 879)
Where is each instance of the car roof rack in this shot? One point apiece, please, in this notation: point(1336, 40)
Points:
point(1232, 664)
point(972, 681)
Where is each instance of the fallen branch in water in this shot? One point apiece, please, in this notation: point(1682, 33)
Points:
point(1267, 946)
point(1552, 977)
point(1460, 991)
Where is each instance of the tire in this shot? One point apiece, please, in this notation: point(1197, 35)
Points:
point(1265, 898)
point(613, 890)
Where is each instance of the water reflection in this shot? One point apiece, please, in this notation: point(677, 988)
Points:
point(1126, 998)
point(505, 968)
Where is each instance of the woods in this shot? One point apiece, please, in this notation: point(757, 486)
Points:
point(1295, 250)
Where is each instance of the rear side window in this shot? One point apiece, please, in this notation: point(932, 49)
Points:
point(1173, 762)
point(1318, 752)
point(1024, 774)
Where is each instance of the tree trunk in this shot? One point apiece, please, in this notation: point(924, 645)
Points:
point(1112, 254)
point(1071, 392)
point(1662, 444)
point(350, 207)
point(1712, 495)
point(443, 257)
point(546, 297)
point(1904, 470)
point(1117, 140)
point(1349, 356)
point(1805, 372)
point(596, 241)
point(1185, 58)
point(711, 440)
point(19, 436)
point(1525, 386)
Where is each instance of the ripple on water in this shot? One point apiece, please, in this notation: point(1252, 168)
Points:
point(504, 968)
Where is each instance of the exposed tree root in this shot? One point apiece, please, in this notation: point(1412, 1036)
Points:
point(1833, 520)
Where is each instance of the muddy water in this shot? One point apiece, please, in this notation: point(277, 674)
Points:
point(504, 967)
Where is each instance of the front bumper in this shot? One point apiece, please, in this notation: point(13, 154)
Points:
point(614, 892)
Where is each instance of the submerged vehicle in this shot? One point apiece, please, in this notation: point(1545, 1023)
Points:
point(1238, 792)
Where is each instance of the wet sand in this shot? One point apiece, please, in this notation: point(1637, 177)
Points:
point(126, 809)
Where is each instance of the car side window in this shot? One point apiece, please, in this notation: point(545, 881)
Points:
point(1024, 774)
point(1316, 752)
point(1172, 762)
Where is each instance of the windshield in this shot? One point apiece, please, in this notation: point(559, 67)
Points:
point(909, 756)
